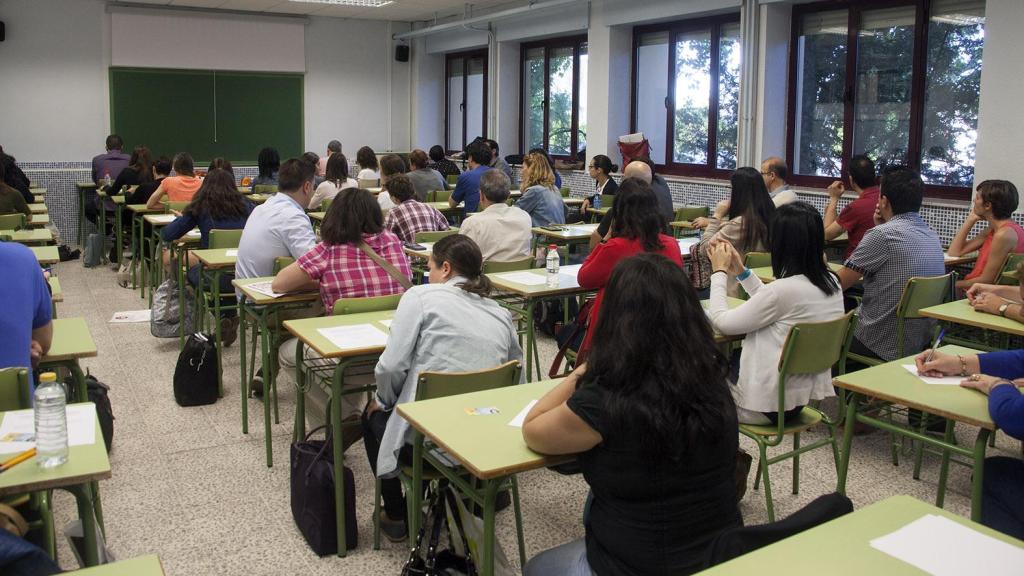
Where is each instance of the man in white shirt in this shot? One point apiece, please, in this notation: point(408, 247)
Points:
point(501, 231)
point(775, 171)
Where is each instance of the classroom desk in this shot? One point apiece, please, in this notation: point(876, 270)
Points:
point(38, 208)
point(45, 254)
point(138, 268)
point(181, 247)
point(306, 330)
point(679, 227)
point(766, 274)
point(118, 201)
point(72, 341)
point(422, 254)
point(573, 202)
point(37, 190)
point(156, 223)
point(84, 188)
point(258, 198)
point(845, 544)
point(889, 382)
point(485, 446)
point(264, 312)
point(598, 211)
point(443, 207)
point(56, 294)
point(39, 221)
point(86, 466)
point(316, 217)
point(29, 235)
point(140, 566)
point(215, 262)
point(566, 235)
point(960, 312)
point(951, 261)
point(119, 204)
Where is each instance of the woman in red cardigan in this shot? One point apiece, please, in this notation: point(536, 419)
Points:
point(636, 228)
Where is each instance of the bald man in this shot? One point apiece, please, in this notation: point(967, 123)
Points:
point(775, 171)
point(642, 169)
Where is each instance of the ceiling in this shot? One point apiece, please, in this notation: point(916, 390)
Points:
point(398, 10)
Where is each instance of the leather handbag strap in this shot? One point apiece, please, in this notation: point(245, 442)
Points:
point(387, 266)
point(12, 521)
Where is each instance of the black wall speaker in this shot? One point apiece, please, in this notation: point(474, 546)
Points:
point(3, 31)
point(401, 53)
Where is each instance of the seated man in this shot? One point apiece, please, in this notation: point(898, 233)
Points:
point(501, 231)
point(643, 170)
point(775, 171)
point(410, 216)
point(859, 215)
point(468, 186)
point(25, 327)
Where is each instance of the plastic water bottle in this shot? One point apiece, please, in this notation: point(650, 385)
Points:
point(597, 202)
point(51, 422)
point(552, 265)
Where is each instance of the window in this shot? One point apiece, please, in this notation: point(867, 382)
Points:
point(899, 83)
point(554, 97)
point(686, 93)
point(466, 98)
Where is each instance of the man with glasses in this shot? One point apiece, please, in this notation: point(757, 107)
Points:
point(774, 171)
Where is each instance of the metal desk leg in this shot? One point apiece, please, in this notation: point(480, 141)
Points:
point(531, 339)
point(851, 419)
point(266, 407)
point(218, 338)
point(103, 230)
point(82, 388)
point(118, 233)
point(81, 218)
point(490, 495)
point(978, 474)
point(339, 456)
point(300, 393)
point(948, 438)
point(244, 382)
point(86, 513)
point(182, 281)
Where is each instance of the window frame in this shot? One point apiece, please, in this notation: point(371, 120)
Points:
point(854, 8)
point(575, 42)
point(464, 57)
point(713, 24)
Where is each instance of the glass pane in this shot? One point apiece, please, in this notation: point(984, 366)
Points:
point(582, 103)
point(475, 99)
point(456, 99)
point(821, 80)
point(560, 106)
point(885, 61)
point(533, 99)
point(693, 93)
point(652, 90)
point(956, 33)
point(728, 96)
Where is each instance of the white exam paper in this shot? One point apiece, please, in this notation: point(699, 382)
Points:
point(163, 218)
point(386, 323)
point(130, 316)
point(943, 547)
point(570, 269)
point(685, 243)
point(587, 229)
point(942, 380)
point(355, 336)
point(81, 427)
point(525, 278)
point(517, 422)
point(231, 252)
point(264, 288)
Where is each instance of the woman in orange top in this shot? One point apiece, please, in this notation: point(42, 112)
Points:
point(178, 188)
point(994, 203)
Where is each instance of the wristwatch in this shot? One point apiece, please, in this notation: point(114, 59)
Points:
point(1002, 309)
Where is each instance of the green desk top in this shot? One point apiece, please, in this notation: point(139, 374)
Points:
point(141, 209)
point(845, 544)
point(38, 208)
point(442, 207)
point(890, 382)
point(86, 463)
point(46, 254)
point(958, 260)
point(960, 312)
point(567, 283)
point(602, 210)
point(159, 219)
point(766, 274)
point(569, 232)
point(306, 329)
point(486, 445)
point(119, 200)
point(56, 295)
point(573, 201)
point(259, 198)
point(71, 340)
point(39, 220)
point(86, 185)
point(684, 224)
point(141, 566)
point(37, 190)
point(261, 299)
point(27, 235)
point(317, 216)
point(424, 254)
point(217, 257)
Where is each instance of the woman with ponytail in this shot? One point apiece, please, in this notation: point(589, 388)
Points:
point(449, 325)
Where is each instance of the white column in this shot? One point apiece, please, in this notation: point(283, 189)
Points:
point(608, 83)
point(1000, 122)
point(503, 101)
point(750, 31)
point(427, 97)
point(772, 73)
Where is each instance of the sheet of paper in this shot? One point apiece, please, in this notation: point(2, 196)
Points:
point(526, 278)
point(355, 336)
point(570, 269)
point(163, 218)
point(943, 547)
point(231, 252)
point(942, 381)
point(264, 288)
point(517, 422)
point(685, 243)
point(130, 316)
point(581, 230)
point(386, 323)
point(17, 432)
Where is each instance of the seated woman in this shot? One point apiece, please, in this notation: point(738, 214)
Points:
point(439, 162)
point(366, 159)
point(635, 229)
point(540, 199)
point(178, 188)
point(652, 419)
point(600, 169)
point(805, 290)
point(1006, 301)
point(339, 268)
point(994, 202)
point(267, 163)
point(223, 164)
point(449, 325)
point(336, 180)
point(139, 171)
point(996, 374)
point(424, 178)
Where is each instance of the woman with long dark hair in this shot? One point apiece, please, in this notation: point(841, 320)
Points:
point(635, 229)
point(652, 419)
point(600, 169)
point(139, 170)
point(369, 168)
point(804, 290)
point(335, 180)
point(268, 163)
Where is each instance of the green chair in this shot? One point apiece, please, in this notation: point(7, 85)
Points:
point(757, 259)
point(1009, 265)
point(690, 213)
point(344, 306)
point(325, 205)
point(369, 183)
point(440, 195)
point(607, 200)
point(176, 206)
point(809, 349)
point(223, 239)
point(565, 190)
point(492, 266)
point(452, 179)
point(12, 221)
point(435, 235)
point(282, 262)
point(432, 385)
point(264, 189)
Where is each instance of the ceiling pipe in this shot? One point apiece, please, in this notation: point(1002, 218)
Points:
point(531, 7)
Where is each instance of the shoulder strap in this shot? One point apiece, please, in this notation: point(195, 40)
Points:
point(387, 266)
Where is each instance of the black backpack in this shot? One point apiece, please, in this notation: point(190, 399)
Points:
point(99, 395)
point(195, 376)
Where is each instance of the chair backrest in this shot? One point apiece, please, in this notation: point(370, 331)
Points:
point(442, 195)
point(344, 306)
point(565, 191)
point(282, 262)
point(434, 235)
point(441, 384)
point(265, 189)
point(920, 292)
point(325, 205)
point(369, 183)
point(12, 221)
point(1010, 265)
point(815, 347)
point(491, 266)
point(607, 200)
point(14, 389)
point(176, 206)
point(757, 259)
point(689, 213)
point(225, 238)
point(453, 179)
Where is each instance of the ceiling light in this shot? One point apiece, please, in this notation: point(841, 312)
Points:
point(361, 3)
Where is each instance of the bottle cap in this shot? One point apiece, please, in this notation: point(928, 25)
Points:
point(47, 377)
point(552, 247)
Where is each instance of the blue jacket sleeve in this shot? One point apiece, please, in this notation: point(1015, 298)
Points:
point(181, 226)
point(1006, 405)
point(1007, 364)
point(461, 187)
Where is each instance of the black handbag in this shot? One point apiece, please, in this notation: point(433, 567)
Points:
point(444, 562)
point(195, 376)
point(312, 495)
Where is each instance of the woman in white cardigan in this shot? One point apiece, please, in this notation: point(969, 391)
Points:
point(805, 290)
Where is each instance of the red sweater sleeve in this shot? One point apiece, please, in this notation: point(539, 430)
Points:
point(597, 268)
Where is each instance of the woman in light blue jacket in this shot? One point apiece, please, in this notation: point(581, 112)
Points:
point(541, 200)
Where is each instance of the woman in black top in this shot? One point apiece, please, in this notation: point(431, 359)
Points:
point(654, 424)
point(139, 170)
point(600, 169)
point(443, 165)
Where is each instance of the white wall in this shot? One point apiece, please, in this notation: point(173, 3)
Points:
point(608, 84)
point(1000, 121)
point(428, 96)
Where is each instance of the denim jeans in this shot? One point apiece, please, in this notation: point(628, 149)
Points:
point(565, 560)
point(1002, 497)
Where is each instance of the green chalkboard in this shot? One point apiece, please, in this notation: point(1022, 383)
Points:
point(207, 113)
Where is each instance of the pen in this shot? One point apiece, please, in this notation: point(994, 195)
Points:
point(931, 352)
point(12, 462)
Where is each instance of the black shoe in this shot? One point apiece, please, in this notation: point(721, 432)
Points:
point(67, 254)
point(743, 462)
point(394, 530)
point(256, 386)
point(229, 330)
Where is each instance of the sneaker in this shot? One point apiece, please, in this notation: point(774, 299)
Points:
point(229, 330)
point(394, 530)
point(256, 386)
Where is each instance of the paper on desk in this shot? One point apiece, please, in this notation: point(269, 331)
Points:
point(355, 336)
point(586, 229)
point(517, 422)
point(685, 243)
point(943, 547)
point(525, 278)
point(21, 424)
point(231, 252)
point(570, 269)
point(386, 323)
point(130, 316)
point(163, 218)
point(264, 288)
point(942, 380)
